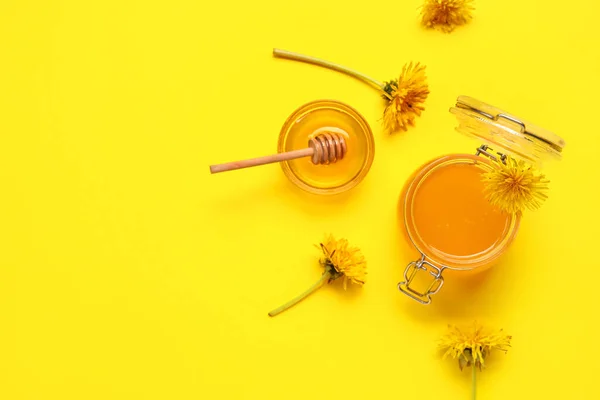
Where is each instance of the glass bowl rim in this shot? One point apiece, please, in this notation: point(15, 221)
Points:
point(366, 131)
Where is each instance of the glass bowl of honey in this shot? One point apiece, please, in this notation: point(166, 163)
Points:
point(444, 212)
point(327, 115)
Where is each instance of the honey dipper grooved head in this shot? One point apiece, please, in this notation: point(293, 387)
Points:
point(329, 147)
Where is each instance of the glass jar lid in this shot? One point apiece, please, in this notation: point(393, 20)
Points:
point(506, 133)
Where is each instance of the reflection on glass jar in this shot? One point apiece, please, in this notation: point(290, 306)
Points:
point(443, 209)
point(319, 116)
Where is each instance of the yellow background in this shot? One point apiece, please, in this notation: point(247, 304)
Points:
point(127, 271)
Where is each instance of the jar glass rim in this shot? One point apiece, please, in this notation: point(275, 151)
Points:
point(441, 259)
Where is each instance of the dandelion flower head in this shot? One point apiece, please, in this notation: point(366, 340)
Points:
point(514, 186)
point(473, 346)
point(345, 260)
point(446, 15)
point(406, 97)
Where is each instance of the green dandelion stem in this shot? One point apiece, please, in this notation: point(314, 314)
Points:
point(317, 61)
point(324, 278)
point(474, 383)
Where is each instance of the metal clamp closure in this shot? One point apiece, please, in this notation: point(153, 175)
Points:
point(486, 151)
point(423, 297)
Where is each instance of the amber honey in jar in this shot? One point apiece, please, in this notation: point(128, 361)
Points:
point(333, 116)
point(443, 209)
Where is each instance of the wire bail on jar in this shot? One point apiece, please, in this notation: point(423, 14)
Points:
point(486, 151)
point(411, 272)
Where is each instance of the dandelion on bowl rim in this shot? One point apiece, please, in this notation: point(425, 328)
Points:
point(339, 260)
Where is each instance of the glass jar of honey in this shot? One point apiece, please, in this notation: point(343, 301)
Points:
point(335, 117)
point(443, 209)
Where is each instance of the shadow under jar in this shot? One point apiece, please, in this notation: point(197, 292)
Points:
point(443, 208)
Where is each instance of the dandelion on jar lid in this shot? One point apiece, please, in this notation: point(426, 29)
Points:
point(461, 212)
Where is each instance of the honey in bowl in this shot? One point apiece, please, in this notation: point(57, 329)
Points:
point(321, 116)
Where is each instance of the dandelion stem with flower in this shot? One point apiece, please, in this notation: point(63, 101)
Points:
point(470, 348)
point(339, 261)
point(405, 95)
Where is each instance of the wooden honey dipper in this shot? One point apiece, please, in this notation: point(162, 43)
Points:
point(325, 146)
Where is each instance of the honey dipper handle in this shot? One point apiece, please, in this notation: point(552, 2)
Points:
point(253, 162)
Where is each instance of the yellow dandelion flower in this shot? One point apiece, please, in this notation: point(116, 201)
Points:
point(446, 15)
point(408, 94)
point(340, 260)
point(405, 95)
point(472, 347)
point(345, 261)
point(514, 186)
